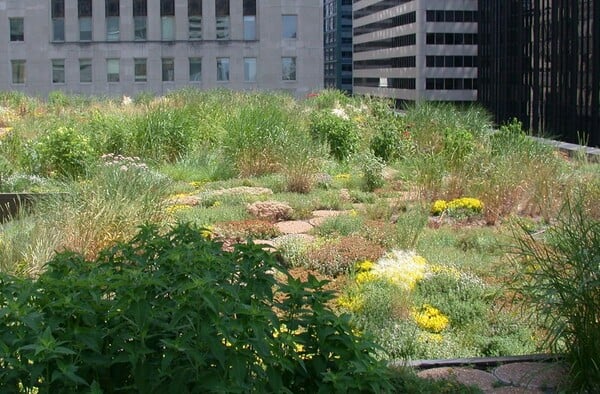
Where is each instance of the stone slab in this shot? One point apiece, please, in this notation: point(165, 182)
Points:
point(468, 376)
point(532, 375)
point(294, 227)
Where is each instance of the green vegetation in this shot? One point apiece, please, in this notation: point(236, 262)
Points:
point(419, 261)
point(560, 278)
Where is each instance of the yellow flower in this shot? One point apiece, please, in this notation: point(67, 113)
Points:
point(438, 207)
point(178, 196)
point(366, 265)
point(207, 232)
point(351, 303)
point(364, 277)
point(216, 204)
point(195, 184)
point(177, 208)
point(469, 203)
point(429, 338)
point(431, 319)
point(342, 176)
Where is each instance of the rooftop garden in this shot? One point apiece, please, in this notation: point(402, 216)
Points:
point(285, 244)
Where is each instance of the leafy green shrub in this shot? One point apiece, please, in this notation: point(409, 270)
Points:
point(328, 99)
point(371, 167)
point(387, 144)
point(458, 146)
point(175, 313)
point(560, 280)
point(338, 131)
point(62, 152)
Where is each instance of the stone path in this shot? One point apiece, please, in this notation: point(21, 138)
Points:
point(519, 377)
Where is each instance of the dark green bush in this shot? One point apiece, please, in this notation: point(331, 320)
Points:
point(339, 133)
point(62, 152)
point(175, 313)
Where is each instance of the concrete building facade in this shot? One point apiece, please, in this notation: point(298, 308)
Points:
point(123, 47)
point(412, 50)
point(337, 43)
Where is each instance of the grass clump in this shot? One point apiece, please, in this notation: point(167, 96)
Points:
point(560, 279)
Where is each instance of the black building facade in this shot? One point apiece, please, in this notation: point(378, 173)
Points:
point(337, 44)
point(539, 61)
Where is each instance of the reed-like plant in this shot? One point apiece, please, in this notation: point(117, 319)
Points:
point(560, 280)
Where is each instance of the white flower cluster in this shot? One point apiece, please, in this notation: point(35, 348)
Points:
point(124, 163)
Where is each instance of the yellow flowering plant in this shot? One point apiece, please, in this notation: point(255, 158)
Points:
point(430, 318)
point(458, 206)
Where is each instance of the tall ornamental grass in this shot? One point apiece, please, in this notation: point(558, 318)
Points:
point(560, 280)
point(107, 208)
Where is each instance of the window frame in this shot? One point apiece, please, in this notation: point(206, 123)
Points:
point(139, 62)
point(167, 69)
point(249, 74)
point(221, 62)
point(140, 20)
point(54, 63)
point(285, 34)
point(167, 20)
point(87, 63)
point(292, 74)
point(195, 19)
point(110, 77)
point(194, 61)
point(223, 18)
point(84, 13)
point(19, 36)
point(18, 71)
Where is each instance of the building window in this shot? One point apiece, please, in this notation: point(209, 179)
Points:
point(168, 69)
point(288, 68)
point(139, 70)
point(112, 70)
point(58, 20)
point(17, 31)
point(58, 70)
point(18, 71)
point(222, 15)
point(140, 16)
point(289, 26)
point(112, 20)
point(84, 8)
point(167, 19)
point(195, 19)
point(249, 19)
point(195, 69)
point(250, 69)
point(222, 69)
point(85, 70)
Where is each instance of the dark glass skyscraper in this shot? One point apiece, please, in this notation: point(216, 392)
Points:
point(337, 44)
point(539, 61)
